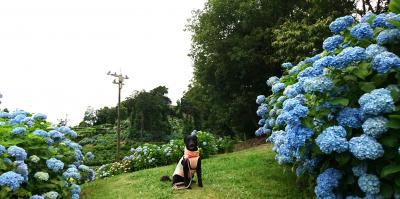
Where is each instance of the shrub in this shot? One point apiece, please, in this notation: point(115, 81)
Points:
point(151, 155)
point(39, 159)
point(225, 144)
point(335, 117)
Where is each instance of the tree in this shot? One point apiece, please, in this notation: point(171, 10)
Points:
point(90, 117)
point(234, 53)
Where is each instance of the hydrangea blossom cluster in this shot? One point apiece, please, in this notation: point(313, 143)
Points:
point(333, 139)
point(369, 184)
point(24, 131)
point(11, 179)
point(377, 102)
point(365, 147)
point(43, 176)
point(362, 31)
point(339, 109)
point(331, 43)
point(375, 126)
point(326, 182)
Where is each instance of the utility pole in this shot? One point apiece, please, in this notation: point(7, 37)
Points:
point(119, 80)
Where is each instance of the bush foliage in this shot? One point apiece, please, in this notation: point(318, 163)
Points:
point(335, 117)
point(152, 155)
point(38, 159)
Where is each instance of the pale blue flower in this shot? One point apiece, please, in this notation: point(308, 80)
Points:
point(11, 179)
point(331, 43)
point(377, 102)
point(385, 61)
point(365, 147)
point(369, 184)
point(362, 31)
point(375, 126)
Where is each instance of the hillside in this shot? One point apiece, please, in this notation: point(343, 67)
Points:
point(251, 173)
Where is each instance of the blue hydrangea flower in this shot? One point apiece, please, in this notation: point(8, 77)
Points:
point(262, 110)
point(310, 72)
point(36, 197)
point(75, 196)
point(359, 170)
point(278, 87)
point(351, 117)
point(11, 179)
point(260, 99)
point(4, 114)
point(7, 161)
point(369, 184)
point(39, 116)
point(18, 131)
point(17, 119)
point(293, 70)
point(86, 168)
point(17, 152)
point(54, 164)
point(67, 131)
point(366, 17)
point(49, 141)
point(260, 131)
point(373, 50)
point(22, 169)
point(40, 133)
point(341, 24)
point(261, 122)
point(272, 80)
point(78, 154)
point(375, 126)
point(365, 147)
point(385, 61)
point(297, 135)
point(2, 150)
point(56, 135)
point(293, 90)
point(377, 102)
point(312, 59)
point(323, 62)
point(348, 56)
point(388, 36)
point(75, 189)
point(352, 197)
point(373, 196)
point(92, 175)
point(362, 31)
point(71, 173)
point(71, 144)
point(331, 43)
point(333, 139)
point(317, 84)
point(326, 182)
point(381, 20)
point(292, 111)
point(281, 99)
point(287, 65)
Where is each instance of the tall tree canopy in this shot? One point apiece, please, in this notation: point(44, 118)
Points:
point(237, 45)
point(146, 112)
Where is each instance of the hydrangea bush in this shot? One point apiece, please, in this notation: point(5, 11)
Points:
point(152, 155)
point(39, 160)
point(335, 117)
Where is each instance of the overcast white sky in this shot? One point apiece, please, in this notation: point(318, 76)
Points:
point(54, 55)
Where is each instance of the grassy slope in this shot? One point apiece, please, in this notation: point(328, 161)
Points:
point(251, 173)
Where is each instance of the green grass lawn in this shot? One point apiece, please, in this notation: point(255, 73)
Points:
point(251, 173)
